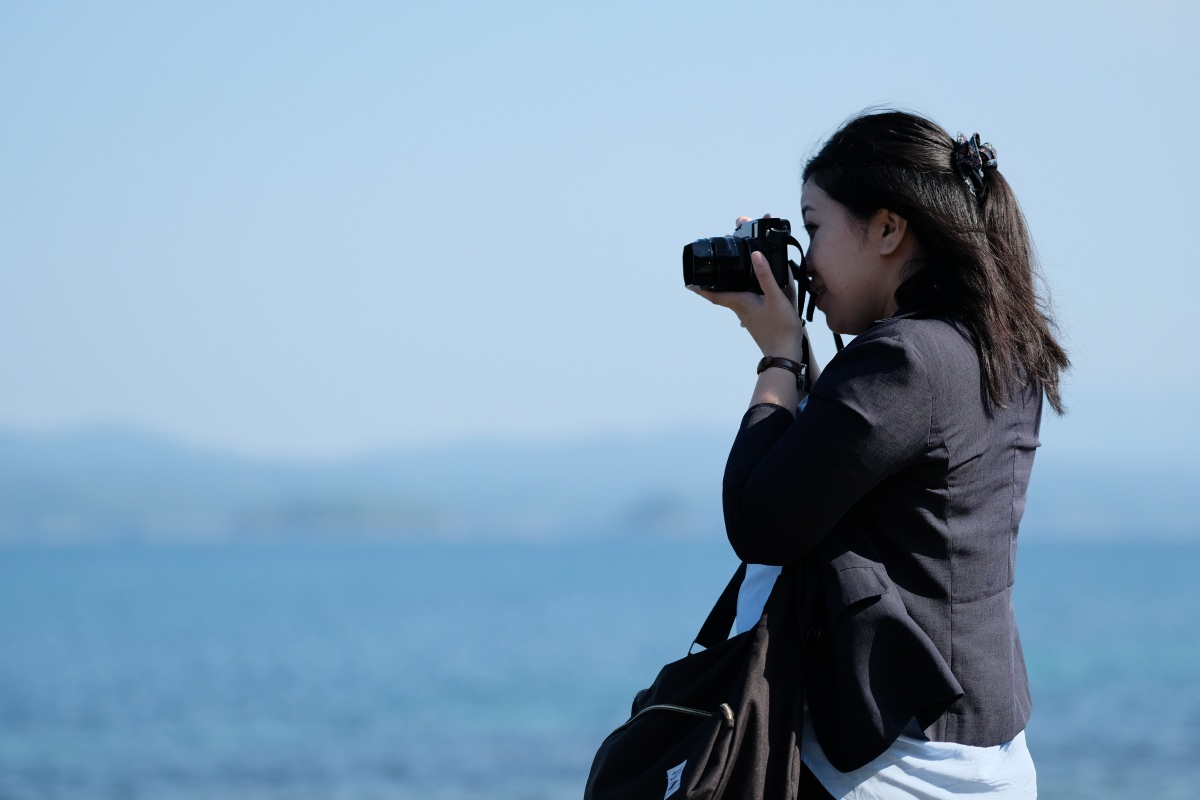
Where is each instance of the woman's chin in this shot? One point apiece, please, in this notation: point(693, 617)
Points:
point(844, 327)
point(835, 323)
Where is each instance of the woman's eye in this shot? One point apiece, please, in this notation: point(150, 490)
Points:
point(810, 230)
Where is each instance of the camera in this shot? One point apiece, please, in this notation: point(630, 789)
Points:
point(722, 263)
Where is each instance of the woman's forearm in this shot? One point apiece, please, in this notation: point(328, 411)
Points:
point(777, 387)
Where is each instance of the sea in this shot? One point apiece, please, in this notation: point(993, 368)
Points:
point(465, 670)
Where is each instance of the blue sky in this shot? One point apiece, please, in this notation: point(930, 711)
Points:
point(301, 229)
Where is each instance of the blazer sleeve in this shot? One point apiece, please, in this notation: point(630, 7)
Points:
point(788, 481)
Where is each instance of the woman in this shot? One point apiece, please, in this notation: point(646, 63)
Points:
point(897, 485)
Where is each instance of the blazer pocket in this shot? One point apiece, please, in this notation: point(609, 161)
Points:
point(854, 586)
point(873, 667)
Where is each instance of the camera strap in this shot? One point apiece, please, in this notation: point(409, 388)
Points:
point(800, 273)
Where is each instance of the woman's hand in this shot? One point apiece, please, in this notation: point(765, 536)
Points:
point(772, 318)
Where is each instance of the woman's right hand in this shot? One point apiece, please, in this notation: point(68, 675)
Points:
point(773, 317)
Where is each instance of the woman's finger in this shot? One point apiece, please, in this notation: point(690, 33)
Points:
point(738, 302)
point(737, 223)
point(716, 298)
point(766, 280)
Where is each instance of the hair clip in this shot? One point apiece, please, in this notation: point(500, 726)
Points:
point(970, 159)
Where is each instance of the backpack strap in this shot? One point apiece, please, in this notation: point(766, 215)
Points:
point(720, 620)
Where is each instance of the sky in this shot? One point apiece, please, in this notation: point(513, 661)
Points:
point(314, 230)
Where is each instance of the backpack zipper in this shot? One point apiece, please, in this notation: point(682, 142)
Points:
point(723, 709)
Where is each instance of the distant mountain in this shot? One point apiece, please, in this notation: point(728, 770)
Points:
point(118, 484)
point(111, 484)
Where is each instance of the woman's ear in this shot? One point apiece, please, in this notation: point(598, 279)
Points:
point(891, 228)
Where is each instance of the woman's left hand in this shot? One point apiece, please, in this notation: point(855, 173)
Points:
point(772, 318)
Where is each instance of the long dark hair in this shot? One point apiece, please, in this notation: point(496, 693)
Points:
point(975, 240)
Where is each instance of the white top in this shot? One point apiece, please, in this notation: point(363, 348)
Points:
point(916, 767)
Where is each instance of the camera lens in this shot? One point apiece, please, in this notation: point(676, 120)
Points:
point(721, 263)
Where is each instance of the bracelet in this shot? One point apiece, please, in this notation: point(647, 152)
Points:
point(794, 367)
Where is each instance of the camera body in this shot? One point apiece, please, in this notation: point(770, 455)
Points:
point(722, 263)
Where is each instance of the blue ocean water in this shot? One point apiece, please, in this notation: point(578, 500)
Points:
point(448, 670)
